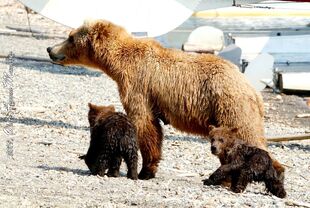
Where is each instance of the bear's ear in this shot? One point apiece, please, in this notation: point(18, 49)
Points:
point(211, 127)
point(91, 106)
point(88, 22)
point(82, 157)
point(112, 108)
point(234, 130)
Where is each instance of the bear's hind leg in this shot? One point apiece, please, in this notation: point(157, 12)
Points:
point(114, 165)
point(131, 160)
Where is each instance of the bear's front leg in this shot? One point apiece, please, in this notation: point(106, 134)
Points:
point(241, 181)
point(220, 175)
point(102, 168)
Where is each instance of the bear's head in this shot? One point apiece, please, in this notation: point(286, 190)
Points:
point(221, 138)
point(90, 161)
point(87, 44)
point(98, 112)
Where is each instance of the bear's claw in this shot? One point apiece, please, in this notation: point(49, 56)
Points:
point(208, 182)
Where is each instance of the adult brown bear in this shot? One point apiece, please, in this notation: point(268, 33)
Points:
point(187, 90)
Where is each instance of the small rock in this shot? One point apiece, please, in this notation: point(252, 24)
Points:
point(279, 97)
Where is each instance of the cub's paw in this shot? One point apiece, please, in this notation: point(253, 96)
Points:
point(208, 182)
point(113, 173)
point(237, 189)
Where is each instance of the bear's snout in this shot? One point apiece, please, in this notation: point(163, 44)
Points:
point(54, 56)
point(49, 49)
point(213, 149)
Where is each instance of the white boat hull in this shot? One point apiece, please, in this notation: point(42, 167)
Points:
point(294, 48)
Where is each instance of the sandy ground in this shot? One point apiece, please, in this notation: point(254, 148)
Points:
point(50, 131)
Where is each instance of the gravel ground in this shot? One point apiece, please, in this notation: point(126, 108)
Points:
point(50, 131)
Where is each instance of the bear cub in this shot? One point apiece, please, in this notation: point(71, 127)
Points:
point(113, 137)
point(242, 163)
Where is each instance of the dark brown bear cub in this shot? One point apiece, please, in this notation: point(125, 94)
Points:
point(242, 163)
point(113, 137)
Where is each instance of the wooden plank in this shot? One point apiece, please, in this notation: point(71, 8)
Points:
point(303, 115)
point(289, 138)
point(297, 203)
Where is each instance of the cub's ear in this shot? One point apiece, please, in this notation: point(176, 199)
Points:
point(112, 108)
point(82, 157)
point(211, 127)
point(88, 22)
point(234, 130)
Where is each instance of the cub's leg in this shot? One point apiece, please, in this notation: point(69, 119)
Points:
point(220, 175)
point(250, 171)
point(114, 165)
point(240, 182)
point(102, 165)
point(131, 160)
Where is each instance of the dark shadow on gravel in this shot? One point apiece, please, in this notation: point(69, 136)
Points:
point(55, 69)
point(72, 170)
point(65, 169)
point(292, 146)
point(187, 138)
point(39, 122)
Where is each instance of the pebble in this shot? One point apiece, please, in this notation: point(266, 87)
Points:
point(278, 97)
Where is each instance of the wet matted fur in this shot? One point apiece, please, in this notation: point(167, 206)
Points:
point(242, 164)
point(113, 137)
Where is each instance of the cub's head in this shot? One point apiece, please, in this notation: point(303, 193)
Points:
point(221, 138)
point(86, 44)
point(98, 112)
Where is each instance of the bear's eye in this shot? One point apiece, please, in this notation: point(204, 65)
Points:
point(212, 140)
point(221, 140)
point(71, 39)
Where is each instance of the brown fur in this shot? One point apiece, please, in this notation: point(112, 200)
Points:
point(189, 91)
point(242, 163)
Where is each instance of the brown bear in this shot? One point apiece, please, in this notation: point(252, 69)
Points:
point(242, 163)
point(113, 137)
point(189, 91)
